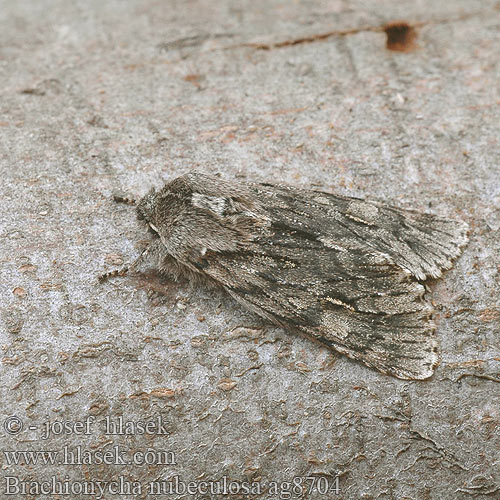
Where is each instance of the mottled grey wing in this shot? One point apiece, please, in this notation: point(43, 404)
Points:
point(423, 244)
point(359, 303)
point(344, 271)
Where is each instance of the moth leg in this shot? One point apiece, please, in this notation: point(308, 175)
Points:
point(153, 249)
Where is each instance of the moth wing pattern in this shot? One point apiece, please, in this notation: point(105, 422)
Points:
point(421, 243)
point(342, 270)
point(371, 311)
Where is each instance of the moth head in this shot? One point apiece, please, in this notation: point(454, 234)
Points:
point(197, 213)
point(146, 206)
point(160, 209)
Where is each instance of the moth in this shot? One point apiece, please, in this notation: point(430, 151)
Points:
point(345, 271)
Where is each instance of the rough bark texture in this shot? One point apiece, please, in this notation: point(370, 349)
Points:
point(97, 97)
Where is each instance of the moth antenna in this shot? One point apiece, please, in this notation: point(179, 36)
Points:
point(124, 199)
point(123, 271)
point(112, 274)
